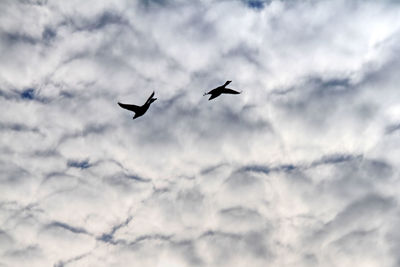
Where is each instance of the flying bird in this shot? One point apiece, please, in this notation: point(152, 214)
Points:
point(221, 90)
point(139, 110)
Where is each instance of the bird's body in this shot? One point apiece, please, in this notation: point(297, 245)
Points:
point(221, 90)
point(139, 110)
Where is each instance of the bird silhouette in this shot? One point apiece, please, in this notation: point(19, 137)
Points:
point(221, 90)
point(139, 110)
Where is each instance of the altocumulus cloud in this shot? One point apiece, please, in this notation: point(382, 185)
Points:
point(301, 169)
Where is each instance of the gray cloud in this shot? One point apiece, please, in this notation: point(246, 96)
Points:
point(299, 170)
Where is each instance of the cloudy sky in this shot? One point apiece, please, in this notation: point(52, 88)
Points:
point(301, 169)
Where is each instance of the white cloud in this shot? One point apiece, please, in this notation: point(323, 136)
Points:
point(301, 169)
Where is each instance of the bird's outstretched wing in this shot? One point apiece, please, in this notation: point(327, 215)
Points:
point(213, 96)
point(230, 91)
point(133, 108)
point(151, 96)
point(226, 83)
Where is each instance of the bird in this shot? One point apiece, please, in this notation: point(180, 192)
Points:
point(139, 110)
point(221, 90)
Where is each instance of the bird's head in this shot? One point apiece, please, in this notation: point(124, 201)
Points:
point(152, 100)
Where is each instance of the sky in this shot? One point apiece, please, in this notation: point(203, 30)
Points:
point(301, 169)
